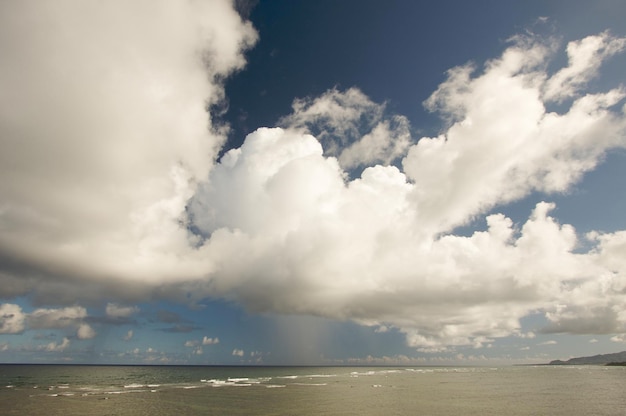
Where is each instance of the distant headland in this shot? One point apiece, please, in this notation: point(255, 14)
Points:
point(615, 359)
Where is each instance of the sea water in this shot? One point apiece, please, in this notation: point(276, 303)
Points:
point(168, 390)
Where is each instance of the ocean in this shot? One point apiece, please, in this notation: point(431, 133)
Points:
point(68, 390)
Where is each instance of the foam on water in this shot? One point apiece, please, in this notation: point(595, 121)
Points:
point(237, 380)
point(314, 391)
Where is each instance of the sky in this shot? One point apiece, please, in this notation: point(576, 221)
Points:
point(312, 182)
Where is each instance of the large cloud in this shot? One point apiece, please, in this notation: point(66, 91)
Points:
point(288, 233)
point(504, 143)
point(104, 133)
point(109, 177)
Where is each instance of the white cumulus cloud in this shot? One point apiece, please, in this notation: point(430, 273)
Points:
point(85, 331)
point(14, 320)
point(351, 127)
point(210, 341)
point(585, 57)
point(379, 248)
point(114, 310)
point(56, 318)
point(11, 319)
point(55, 346)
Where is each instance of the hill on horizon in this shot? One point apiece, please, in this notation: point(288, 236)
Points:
point(600, 359)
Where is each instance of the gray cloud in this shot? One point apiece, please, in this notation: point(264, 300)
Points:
point(78, 106)
point(168, 317)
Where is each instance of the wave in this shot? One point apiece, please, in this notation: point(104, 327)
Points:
point(159, 380)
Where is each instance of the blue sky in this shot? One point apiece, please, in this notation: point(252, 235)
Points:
point(373, 182)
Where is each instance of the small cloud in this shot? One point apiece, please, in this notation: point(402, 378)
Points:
point(198, 351)
point(85, 332)
point(210, 341)
point(205, 341)
point(56, 347)
point(551, 342)
point(619, 338)
point(593, 341)
point(129, 335)
point(4, 347)
point(114, 310)
point(56, 318)
point(238, 353)
point(480, 342)
point(257, 356)
point(433, 350)
point(11, 319)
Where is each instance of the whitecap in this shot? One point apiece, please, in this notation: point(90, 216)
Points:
point(259, 380)
point(215, 381)
point(124, 392)
point(222, 383)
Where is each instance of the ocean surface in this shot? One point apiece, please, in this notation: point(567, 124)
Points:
point(67, 390)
